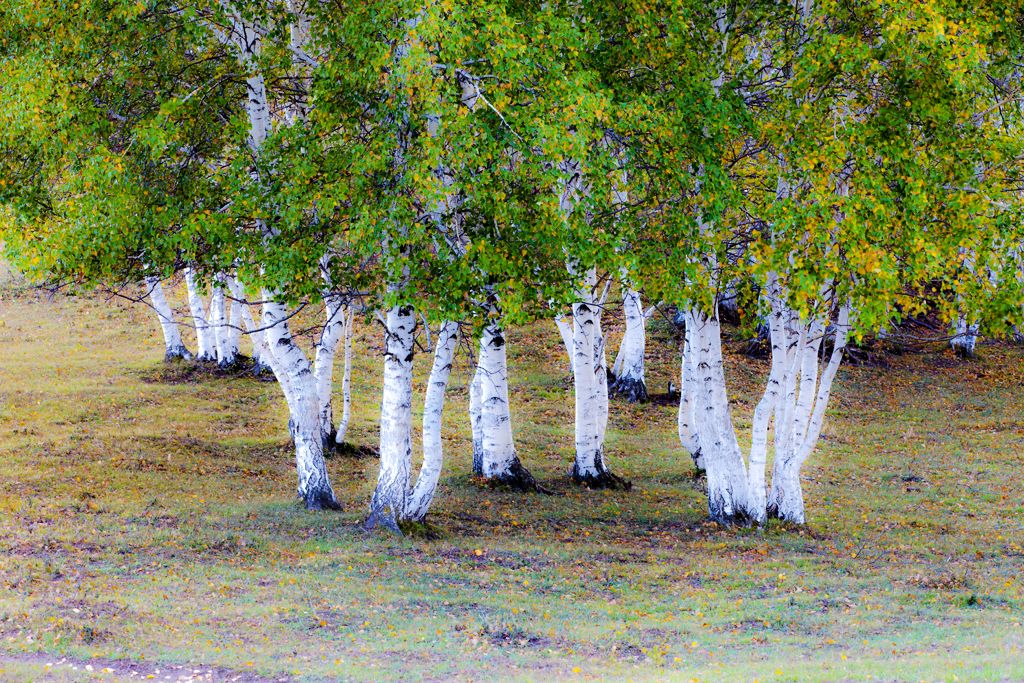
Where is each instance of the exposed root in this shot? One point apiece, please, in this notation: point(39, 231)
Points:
point(176, 354)
point(631, 389)
point(348, 450)
point(604, 479)
point(517, 478)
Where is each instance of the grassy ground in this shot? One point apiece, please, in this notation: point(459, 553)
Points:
point(153, 520)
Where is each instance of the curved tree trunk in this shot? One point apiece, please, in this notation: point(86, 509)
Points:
point(174, 348)
point(323, 364)
point(628, 370)
point(295, 377)
point(433, 410)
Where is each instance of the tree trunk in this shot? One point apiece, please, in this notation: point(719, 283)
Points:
point(499, 461)
point(206, 346)
point(787, 496)
point(346, 379)
point(687, 422)
point(476, 416)
point(966, 338)
point(433, 409)
point(261, 360)
point(295, 376)
point(391, 497)
point(174, 348)
point(323, 365)
point(628, 370)
point(219, 323)
point(233, 334)
point(590, 383)
point(723, 461)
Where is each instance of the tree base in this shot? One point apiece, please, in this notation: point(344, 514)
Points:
point(262, 369)
point(632, 389)
point(773, 512)
point(348, 450)
point(736, 519)
point(964, 352)
point(176, 354)
point(380, 520)
point(604, 479)
point(320, 500)
point(517, 478)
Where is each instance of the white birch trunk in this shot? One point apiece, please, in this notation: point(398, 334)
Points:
point(206, 346)
point(433, 409)
point(233, 337)
point(687, 422)
point(499, 461)
point(629, 363)
point(785, 499)
point(966, 337)
point(218, 323)
point(346, 379)
point(565, 330)
point(476, 416)
point(174, 348)
point(723, 460)
point(296, 379)
point(391, 497)
point(323, 364)
point(590, 384)
point(261, 358)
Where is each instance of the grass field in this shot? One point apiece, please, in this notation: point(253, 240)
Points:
point(148, 528)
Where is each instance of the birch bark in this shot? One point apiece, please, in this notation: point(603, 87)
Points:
point(433, 408)
point(390, 500)
point(206, 345)
point(628, 369)
point(174, 348)
point(499, 461)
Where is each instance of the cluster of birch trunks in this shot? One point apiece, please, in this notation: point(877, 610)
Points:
point(805, 357)
point(807, 346)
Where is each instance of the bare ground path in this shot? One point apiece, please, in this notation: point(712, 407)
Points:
point(38, 666)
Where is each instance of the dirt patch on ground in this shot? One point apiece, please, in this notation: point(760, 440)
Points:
point(127, 670)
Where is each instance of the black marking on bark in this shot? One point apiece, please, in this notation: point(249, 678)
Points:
point(964, 352)
point(478, 457)
point(604, 479)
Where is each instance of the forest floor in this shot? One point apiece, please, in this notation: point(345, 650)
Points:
point(148, 528)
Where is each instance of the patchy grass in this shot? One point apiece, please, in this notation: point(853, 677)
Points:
point(147, 515)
